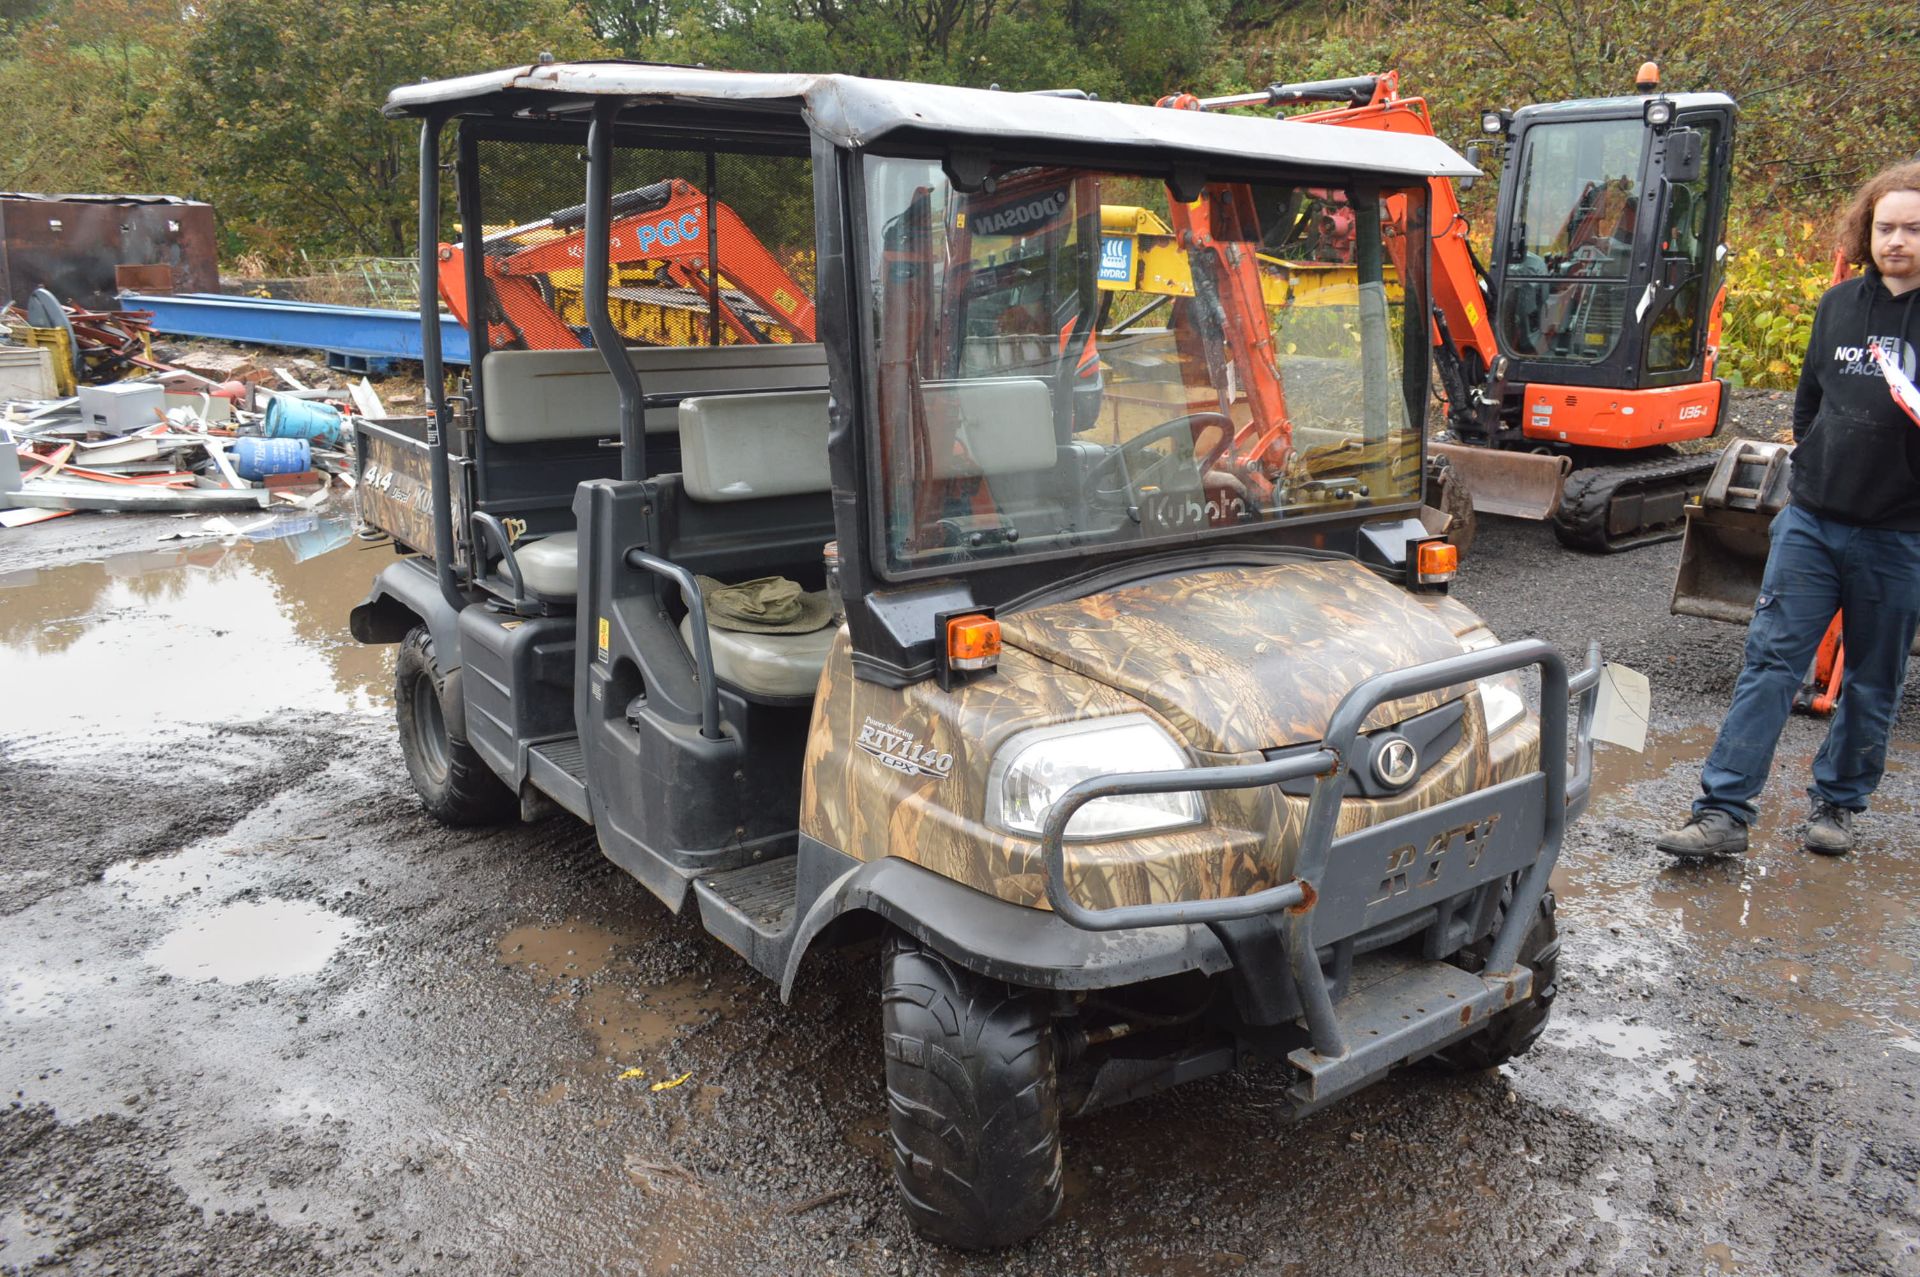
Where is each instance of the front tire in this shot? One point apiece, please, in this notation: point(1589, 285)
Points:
point(973, 1100)
point(454, 783)
point(1513, 1031)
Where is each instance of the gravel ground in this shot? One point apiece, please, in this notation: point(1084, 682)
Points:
point(259, 1015)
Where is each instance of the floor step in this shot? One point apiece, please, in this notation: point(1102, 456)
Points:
point(751, 908)
point(1397, 1010)
point(558, 768)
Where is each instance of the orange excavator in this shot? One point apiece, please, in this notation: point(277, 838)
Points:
point(704, 258)
point(1574, 362)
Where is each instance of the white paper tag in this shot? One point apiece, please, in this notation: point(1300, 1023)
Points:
point(1899, 383)
point(1625, 701)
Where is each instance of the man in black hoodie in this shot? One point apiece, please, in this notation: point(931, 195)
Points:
point(1848, 542)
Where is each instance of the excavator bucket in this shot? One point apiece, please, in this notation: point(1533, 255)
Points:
point(1725, 550)
point(1522, 485)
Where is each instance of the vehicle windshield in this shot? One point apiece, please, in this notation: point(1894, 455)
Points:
point(1072, 360)
point(1571, 247)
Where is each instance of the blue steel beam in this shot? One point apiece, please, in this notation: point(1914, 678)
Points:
point(267, 321)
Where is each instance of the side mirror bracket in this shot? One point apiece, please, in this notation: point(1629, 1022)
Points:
point(1473, 157)
point(967, 171)
point(1685, 156)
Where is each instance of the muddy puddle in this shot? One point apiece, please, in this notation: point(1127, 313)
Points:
point(632, 1022)
point(192, 632)
point(1832, 939)
point(213, 908)
point(1638, 1065)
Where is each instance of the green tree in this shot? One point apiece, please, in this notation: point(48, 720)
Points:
point(282, 99)
point(1130, 50)
point(629, 26)
point(85, 90)
point(1825, 86)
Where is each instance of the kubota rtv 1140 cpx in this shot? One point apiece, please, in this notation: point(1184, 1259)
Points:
point(994, 623)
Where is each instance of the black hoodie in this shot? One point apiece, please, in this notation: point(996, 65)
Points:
point(1857, 458)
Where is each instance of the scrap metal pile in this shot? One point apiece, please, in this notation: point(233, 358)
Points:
point(83, 345)
point(177, 440)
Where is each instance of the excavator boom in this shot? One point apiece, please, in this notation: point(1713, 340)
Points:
point(701, 249)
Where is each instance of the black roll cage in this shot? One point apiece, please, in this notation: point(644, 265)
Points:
point(890, 614)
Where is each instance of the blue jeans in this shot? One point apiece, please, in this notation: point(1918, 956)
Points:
point(1816, 567)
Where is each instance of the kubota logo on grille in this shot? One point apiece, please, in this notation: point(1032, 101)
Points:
point(1397, 763)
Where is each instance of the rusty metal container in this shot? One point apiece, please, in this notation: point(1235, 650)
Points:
point(73, 245)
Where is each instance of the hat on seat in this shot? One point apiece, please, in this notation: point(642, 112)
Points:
point(766, 605)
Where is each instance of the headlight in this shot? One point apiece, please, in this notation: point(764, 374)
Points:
point(1035, 768)
point(1500, 696)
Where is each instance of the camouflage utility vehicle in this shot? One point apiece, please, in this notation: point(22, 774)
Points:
point(1077, 637)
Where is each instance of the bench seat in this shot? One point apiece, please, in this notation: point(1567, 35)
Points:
point(551, 565)
point(772, 665)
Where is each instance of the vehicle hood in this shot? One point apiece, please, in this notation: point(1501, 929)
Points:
point(1245, 659)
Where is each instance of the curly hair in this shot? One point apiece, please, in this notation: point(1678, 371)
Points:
point(1853, 230)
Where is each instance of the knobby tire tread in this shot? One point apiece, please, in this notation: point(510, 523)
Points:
point(973, 1101)
point(1512, 1032)
point(469, 794)
point(1451, 497)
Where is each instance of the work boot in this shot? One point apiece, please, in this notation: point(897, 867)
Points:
point(1707, 833)
point(1829, 829)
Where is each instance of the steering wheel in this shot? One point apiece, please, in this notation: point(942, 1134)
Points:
point(1138, 461)
point(1142, 468)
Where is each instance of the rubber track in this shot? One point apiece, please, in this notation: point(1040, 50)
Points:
point(1581, 520)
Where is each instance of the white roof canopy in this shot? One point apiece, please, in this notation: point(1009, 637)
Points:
point(856, 112)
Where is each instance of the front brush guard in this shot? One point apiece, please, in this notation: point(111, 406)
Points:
point(1514, 827)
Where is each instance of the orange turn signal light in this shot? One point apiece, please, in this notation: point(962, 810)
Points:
point(973, 642)
point(1437, 561)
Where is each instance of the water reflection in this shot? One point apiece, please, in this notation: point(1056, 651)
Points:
point(197, 633)
point(254, 940)
point(1831, 939)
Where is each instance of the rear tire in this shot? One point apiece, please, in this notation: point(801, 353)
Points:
point(454, 783)
point(973, 1100)
point(1513, 1031)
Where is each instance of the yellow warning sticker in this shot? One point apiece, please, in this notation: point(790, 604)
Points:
point(1473, 313)
point(606, 635)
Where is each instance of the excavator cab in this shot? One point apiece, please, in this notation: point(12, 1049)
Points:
point(1606, 285)
point(1574, 362)
point(1606, 263)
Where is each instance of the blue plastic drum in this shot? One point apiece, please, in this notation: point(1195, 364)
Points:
point(303, 419)
point(257, 458)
